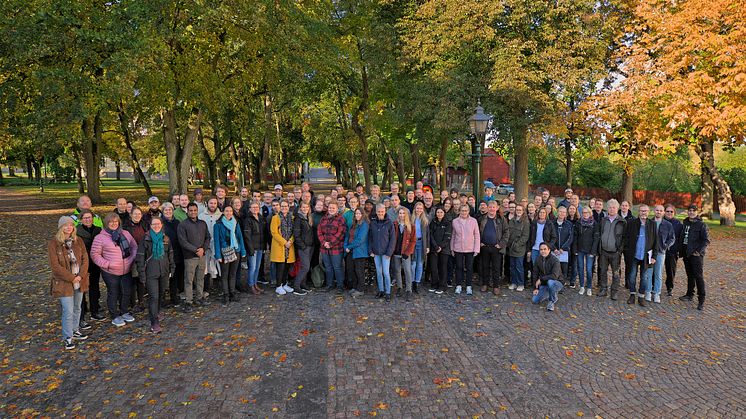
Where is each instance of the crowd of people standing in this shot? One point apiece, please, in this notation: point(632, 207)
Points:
point(176, 253)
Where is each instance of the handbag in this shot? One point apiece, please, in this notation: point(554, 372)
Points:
point(229, 254)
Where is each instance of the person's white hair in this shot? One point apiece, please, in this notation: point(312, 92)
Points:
point(167, 205)
point(612, 203)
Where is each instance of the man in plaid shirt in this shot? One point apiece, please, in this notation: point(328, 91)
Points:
point(331, 233)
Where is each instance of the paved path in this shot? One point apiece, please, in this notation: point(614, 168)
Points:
point(328, 356)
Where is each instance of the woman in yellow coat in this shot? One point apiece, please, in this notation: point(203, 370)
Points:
point(282, 251)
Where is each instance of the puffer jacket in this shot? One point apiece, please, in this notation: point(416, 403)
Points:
point(108, 256)
point(147, 266)
point(586, 238)
point(519, 231)
point(61, 281)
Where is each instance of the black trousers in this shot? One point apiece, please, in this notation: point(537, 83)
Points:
point(118, 288)
point(228, 272)
point(438, 269)
point(156, 291)
point(492, 266)
point(672, 259)
point(357, 268)
point(629, 260)
point(350, 279)
point(464, 267)
point(92, 303)
point(176, 283)
point(694, 276)
point(282, 270)
point(606, 259)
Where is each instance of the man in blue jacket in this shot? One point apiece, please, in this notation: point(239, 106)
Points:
point(665, 240)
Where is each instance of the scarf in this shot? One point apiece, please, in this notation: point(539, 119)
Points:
point(587, 222)
point(74, 266)
point(120, 240)
point(231, 226)
point(286, 229)
point(157, 239)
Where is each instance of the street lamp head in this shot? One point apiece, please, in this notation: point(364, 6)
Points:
point(478, 122)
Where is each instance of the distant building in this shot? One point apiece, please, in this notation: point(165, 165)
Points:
point(494, 168)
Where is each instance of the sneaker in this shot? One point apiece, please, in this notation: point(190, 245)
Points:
point(648, 296)
point(263, 281)
point(128, 318)
point(388, 298)
point(431, 289)
point(686, 298)
point(138, 309)
point(69, 344)
point(669, 293)
point(78, 335)
point(573, 285)
point(657, 298)
point(582, 291)
point(300, 291)
point(98, 317)
point(224, 302)
point(156, 328)
point(244, 266)
point(589, 292)
point(85, 325)
point(512, 287)
point(550, 306)
point(701, 306)
point(468, 290)
point(187, 307)
point(519, 288)
point(205, 295)
point(287, 288)
point(280, 291)
point(449, 285)
point(182, 296)
point(118, 322)
point(339, 291)
point(438, 292)
point(458, 289)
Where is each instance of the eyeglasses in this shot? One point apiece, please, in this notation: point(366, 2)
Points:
point(669, 211)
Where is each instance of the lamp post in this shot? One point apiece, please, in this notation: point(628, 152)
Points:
point(478, 125)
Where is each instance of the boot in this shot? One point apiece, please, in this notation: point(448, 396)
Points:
point(631, 299)
point(602, 292)
point(415, 288)
point(701, 305)
point(613, 295)
point(641, 301)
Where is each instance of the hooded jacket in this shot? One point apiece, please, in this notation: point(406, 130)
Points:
point(519, 232)
point(440, 235)
point(381, 237)
point(148, 267)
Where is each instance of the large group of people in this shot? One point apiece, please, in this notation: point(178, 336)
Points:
point(177, 253)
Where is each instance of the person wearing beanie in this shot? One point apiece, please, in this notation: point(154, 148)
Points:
point(68, 260)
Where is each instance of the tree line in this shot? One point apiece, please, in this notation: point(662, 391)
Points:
point(257, 87)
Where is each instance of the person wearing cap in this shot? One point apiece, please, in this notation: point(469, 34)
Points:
point(114, 250)
point(278, 191)
point(154, 211)
point(68, 260)
point(568, 198)
point(694, 239)
point(84, 203)
point(489, 190)
point(199, 200)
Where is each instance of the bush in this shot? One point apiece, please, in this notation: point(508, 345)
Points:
point(598, 173)
point(736, 178)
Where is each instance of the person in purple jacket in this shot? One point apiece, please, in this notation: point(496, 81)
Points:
point(114, 251)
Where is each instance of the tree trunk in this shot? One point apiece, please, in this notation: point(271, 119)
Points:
point(178, 152)
point(708, 198)
point(2, 179)
point(568, 160)
point(726, 206)
point(628, 184)
point(78, 170)
point(92, 132)
point(210, 162)
point(264, 165)
point(359, 114)
point(118, 166)
point(124, 122)
point(520, 145)
point(414, 148)
point(443, 163)
point(236, 159)
point(11, 171)
point(29, 168)
point(37, 170)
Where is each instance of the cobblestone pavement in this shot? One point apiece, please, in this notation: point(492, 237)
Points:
point(328, 356)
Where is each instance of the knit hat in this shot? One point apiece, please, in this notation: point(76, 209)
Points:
point(65, 220)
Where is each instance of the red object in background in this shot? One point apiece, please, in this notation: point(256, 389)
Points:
point(495, 168)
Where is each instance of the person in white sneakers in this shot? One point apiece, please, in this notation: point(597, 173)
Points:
point(464, 246)
point(282, 251)
point(585, 249)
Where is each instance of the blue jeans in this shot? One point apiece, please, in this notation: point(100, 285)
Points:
point(658, 268)
point(585, 269)
point(516, 270)
point(417, 261)
point(548, 291)
point(71, 313)
point(383, 272)
point(534, 256)
point(254, 263)
point(645, 278)
point(333, 266)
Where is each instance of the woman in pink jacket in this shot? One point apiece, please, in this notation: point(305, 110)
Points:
point(114, 250)
point(464, 246)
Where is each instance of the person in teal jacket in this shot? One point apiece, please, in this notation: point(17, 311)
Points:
point(356, 245)
point(228, 235)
